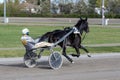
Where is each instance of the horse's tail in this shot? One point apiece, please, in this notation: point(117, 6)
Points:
point(45, 36)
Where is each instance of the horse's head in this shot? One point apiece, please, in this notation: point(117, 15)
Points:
point(82, 25)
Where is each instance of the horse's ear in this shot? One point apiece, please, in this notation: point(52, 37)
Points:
point(86, 19)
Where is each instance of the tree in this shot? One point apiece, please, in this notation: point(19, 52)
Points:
point(92, 5)
point(43, 5)
point(99, 3)
point(65, 8)
point(1, 9)
point(32, 1)
point(114, 6)
point(16, 2)
point(80, 7)
point(54, 8)
point(13, 8)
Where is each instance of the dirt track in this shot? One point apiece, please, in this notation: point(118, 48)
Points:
point(99, 67)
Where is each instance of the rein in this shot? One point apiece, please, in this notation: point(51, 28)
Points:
point(83, 37)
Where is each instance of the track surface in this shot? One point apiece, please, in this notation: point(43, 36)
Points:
point(98, 67)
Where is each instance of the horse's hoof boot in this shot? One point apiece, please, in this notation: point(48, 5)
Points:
point(72, 62)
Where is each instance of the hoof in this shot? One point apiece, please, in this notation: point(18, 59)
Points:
point(75, 55)
point(72, 62)
point(88, 55)
point(39, 56)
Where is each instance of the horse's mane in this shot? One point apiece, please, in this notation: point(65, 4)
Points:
point(78, 23)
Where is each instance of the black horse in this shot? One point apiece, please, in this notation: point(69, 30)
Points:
point(73, 40)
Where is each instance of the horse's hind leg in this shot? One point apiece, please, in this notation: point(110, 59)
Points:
point(64, 53)
point(88, 54)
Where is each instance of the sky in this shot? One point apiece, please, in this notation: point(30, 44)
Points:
point(1, 1)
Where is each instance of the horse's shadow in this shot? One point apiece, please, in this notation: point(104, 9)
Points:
point(20, 65)
point(43, 65)
point(40, 64)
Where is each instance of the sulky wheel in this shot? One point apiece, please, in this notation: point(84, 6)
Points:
point(29, 61)
point(55, 60)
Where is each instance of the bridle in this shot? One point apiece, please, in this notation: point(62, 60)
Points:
point(81, 33)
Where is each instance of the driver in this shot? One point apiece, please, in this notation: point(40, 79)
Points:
point(27, 41)
point(30, 43)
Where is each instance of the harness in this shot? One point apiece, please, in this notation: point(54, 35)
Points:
point(76, 31)
point(83, 37)
point(73, 30)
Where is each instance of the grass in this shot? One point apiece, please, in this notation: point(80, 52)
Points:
point(101, 35)
point(10, 37)
point(12, 53)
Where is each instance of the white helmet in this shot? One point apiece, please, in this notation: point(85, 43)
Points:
point(25, 31)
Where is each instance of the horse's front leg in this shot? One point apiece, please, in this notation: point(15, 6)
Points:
point(78, 52)
point(64, 53)
point(88, 54)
